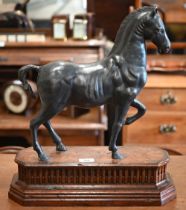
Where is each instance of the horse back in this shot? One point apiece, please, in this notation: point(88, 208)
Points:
point(85, 84)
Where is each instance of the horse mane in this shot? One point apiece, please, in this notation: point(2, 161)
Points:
point(126, 24)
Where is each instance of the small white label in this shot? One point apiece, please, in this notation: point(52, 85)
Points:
point(86, 160)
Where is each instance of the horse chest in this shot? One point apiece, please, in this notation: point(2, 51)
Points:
point(133, 80)
point(134, 75)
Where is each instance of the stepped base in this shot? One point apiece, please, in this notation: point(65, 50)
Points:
point(92, 178)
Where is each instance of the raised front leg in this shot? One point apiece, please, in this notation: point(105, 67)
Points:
point(119, 112)
point(141, 111)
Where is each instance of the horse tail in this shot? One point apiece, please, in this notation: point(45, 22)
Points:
point(22, 76)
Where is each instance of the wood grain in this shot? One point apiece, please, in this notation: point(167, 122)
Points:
point(140, 178)
point(154, 99)
point(87, 129)
point(176, 168)
point(147, 130)
point(169, 9)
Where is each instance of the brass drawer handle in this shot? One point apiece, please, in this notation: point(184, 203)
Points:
point(167, 128)
point(167, 99)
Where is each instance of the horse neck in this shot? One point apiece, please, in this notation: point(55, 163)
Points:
point(134, 51)
point(131, 46)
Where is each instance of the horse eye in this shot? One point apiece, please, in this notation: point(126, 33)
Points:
point(159, 30)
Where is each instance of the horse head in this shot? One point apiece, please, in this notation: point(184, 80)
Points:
point(155, 31)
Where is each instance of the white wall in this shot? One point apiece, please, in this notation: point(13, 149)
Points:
point(45, 9)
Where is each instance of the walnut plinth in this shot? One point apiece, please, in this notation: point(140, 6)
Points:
point(92, 178)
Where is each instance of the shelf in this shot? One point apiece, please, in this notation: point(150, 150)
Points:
point(89, 121)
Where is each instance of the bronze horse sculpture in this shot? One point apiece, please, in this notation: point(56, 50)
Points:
point(117, 79)
point(15, 19)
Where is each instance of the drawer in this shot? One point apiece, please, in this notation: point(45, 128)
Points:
point(157, 128)
point(90, 58)
point(18, 60)
point(73, 55)
point(164, 99)
point(25, 56)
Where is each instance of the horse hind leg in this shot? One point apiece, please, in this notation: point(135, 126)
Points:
point(57, 140)
point(34, 125)
point(43, 117)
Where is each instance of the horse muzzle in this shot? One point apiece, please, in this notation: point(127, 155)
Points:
point(164, 50)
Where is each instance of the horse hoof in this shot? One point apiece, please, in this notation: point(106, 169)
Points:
point(116, 155)
point(61, 148)
point(113, 149)
point(43, 157)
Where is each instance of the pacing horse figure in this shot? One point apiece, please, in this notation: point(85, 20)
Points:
point(117, 79)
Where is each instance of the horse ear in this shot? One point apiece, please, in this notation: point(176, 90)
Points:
point(154, 11)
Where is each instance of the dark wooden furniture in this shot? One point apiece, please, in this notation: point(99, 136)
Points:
point(169, 10)
point(176, 168)
point(93, 178)
point(86, 130)
point(175, 21)
point(14, 55)
point(164, 97)
point(110, 13)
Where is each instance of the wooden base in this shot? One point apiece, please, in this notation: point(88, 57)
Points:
point(88, 176)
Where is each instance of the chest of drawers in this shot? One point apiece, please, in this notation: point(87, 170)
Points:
point(165, 120)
